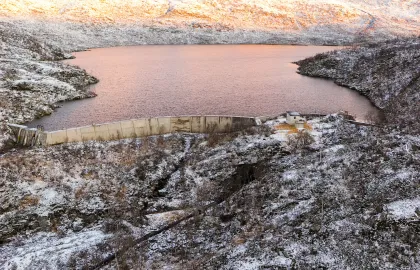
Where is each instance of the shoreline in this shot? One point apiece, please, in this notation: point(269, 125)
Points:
point(56, 104)
point(342, 85)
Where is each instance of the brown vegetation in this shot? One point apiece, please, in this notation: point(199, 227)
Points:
point(299, 140)
point(28, 201)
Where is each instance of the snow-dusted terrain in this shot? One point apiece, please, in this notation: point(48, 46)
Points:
point(311, 16)
point(388, 73)
point(96, 23)
point(31, 79)
point(350, 199)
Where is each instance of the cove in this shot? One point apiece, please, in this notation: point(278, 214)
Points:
point(239, 80)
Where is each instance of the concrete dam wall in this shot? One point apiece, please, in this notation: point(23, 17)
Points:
point(27, 136)
point(132, 129)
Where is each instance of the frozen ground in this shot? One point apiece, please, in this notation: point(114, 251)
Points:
point(48, 250)
point(348, 200)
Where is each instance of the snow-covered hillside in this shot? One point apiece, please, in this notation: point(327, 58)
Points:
point(320, 17)
point(348, 201)
point(32, 81)
point(388, 73)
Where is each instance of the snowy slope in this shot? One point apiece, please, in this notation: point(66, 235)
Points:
point(388, 73)
point(396, 17)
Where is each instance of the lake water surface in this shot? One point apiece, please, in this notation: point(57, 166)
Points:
point(241, 80)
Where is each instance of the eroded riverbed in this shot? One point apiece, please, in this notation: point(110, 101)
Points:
point(245, 80)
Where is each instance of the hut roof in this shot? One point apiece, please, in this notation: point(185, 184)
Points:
point(293, 113)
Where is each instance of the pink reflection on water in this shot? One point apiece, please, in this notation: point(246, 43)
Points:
point(246, 80)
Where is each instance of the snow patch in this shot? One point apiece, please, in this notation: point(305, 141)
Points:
point(404, 209)
point(162, 219)
point(33, 251)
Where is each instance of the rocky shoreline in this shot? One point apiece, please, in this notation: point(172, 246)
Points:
point(32, 80)
point(388, 73)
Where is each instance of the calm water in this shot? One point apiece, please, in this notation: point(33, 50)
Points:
point(243, 80)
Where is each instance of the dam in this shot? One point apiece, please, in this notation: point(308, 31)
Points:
point(135, 128)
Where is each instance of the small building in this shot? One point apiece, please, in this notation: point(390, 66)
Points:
point(294, 117)
point(300, 124)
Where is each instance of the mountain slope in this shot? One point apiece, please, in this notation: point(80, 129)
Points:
point(311, 17)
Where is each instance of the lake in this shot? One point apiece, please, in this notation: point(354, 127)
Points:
point(240, 80)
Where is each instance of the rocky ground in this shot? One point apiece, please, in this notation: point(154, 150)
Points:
point(348, 201)
point(388, 73)
point(32, 80)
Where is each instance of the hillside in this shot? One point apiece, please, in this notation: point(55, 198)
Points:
point(304, 21)
point(388, 73)
point(237, 201)
point(32, 80)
